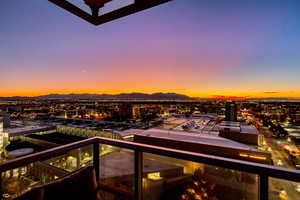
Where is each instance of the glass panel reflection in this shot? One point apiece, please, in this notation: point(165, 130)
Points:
point(74, 159)
point(170, 178)
point(19, 180)
point(283, 189)
point(116, 171)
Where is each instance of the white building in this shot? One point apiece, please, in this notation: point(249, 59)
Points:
point(3, 138)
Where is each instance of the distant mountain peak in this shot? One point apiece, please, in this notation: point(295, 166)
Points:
point(122, 96)
point(133, 95)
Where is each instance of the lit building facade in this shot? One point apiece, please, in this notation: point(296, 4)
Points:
point(231, 112)
point(3, 140)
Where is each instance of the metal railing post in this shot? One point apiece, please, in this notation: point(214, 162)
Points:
point(96, 160)
point(263, 186)
point(1, 189)
point(138, 175)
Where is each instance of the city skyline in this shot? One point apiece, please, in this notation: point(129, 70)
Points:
point(202, 49)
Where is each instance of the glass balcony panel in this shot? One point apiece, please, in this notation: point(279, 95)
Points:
point(117, 168)
point(19, 180)
point(74, 159)
point(170, 178)
point(283, 189)
point(110, 196)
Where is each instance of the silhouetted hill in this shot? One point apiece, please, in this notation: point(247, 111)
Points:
point(142, 96)
point(138, 96)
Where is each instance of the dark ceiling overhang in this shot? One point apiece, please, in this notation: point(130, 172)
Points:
point(137, 6)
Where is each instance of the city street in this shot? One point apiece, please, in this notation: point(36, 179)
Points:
point(280, 189)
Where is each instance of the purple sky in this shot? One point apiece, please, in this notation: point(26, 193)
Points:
point(200, 48)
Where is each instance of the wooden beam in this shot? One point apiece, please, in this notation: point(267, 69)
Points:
point(75, 10)
point(136, 7)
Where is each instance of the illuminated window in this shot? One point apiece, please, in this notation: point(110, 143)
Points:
point(154, 176)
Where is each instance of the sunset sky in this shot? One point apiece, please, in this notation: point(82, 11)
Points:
point(206, 48)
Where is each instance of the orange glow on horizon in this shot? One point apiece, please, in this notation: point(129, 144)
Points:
point(219, 57)
point(205, 94)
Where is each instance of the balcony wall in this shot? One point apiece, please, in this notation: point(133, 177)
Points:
point(127, 170)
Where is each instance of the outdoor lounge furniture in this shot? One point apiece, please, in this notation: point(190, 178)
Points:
point(79, 185)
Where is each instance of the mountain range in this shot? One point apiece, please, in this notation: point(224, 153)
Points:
point(140, 96)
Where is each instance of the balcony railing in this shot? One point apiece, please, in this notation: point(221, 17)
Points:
point(150, 164)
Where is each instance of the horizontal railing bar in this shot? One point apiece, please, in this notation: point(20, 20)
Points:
point(115, 190)
point(245, 166)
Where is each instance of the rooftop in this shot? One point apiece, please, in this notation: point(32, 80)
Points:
point(196, 123)
point(238, 127)
point(208, 139)
point(24, 130)
point(230, 123)
point(57, 138)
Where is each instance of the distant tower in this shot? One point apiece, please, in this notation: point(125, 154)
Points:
point(231, 111)
point(126, 111)
point(1, 134)
point(3, 139)
point(5, 119)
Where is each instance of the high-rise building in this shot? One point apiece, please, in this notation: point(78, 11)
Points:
point(1, 134)
point(125, 111)
point(3, 139)
point(231, 111)
point(5, 119)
